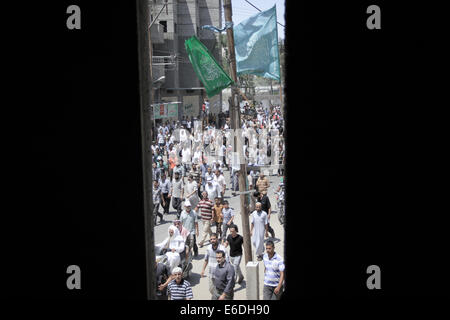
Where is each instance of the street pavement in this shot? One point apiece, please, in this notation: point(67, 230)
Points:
point(199, 285)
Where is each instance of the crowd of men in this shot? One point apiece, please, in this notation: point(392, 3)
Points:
point(190, 147)
point(189, 159)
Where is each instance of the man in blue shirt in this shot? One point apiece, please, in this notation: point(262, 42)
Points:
point(273, 273)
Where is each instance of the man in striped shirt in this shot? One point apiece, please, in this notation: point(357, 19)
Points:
point(178, 288)
point(273, 273)
point(206, 207)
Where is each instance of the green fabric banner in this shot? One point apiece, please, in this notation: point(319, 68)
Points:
point(210, 73)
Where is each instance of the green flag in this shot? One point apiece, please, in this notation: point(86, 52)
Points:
point(206, 67)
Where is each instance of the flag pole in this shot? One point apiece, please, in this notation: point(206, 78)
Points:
point(236, 124)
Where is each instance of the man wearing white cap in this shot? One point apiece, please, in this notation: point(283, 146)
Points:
point(189, 220)
point(209, 173)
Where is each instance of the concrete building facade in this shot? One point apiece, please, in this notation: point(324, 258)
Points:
point(178, 21)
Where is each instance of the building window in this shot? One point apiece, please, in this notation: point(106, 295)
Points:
point(175, 28)
point(164, 24)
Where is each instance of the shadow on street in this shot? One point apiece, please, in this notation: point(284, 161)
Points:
point(194, 279)
point(242, 286)
point(275, 240)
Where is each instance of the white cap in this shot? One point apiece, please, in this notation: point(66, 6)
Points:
point(209, 179)
point(187, 203)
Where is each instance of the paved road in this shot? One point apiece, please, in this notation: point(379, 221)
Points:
point(200, 285)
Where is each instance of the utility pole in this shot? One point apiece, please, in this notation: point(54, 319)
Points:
point(281, 97)
point(236, 124)
point(152, 91)
point(145, 85)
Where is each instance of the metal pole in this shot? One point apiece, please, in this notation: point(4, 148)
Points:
point(236, 124)
point(145, 85)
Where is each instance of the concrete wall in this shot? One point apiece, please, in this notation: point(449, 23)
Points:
point(210, 14)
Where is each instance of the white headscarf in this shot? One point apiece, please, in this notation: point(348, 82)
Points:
point(176, 232)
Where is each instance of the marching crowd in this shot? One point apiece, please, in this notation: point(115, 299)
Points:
point(188, 166)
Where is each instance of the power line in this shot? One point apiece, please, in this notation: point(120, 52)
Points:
point(260, 11)
point(243, 9)
point(165, 4)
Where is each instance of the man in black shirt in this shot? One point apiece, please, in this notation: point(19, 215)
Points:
point(265, 206)
point(235, 241)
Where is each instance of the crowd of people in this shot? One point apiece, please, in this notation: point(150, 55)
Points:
point(189, 158)
point(191, 146)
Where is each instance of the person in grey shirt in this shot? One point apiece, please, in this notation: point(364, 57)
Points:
point(180, 169)
point(204, 169)
point(176, 193)
point(228, 217)
point(189, 220)
point(165, 186)
point(223, 278)
point(157, 198)
point(156, 172)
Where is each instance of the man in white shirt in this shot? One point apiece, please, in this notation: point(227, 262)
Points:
point(212, 188)
point(183, 135)
point(166, 130)
point(223, 155)
point(161, 138)
point(209, 174)
point(189, 126)
point(220, 180)
point(206, 139)
point(186, 157)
